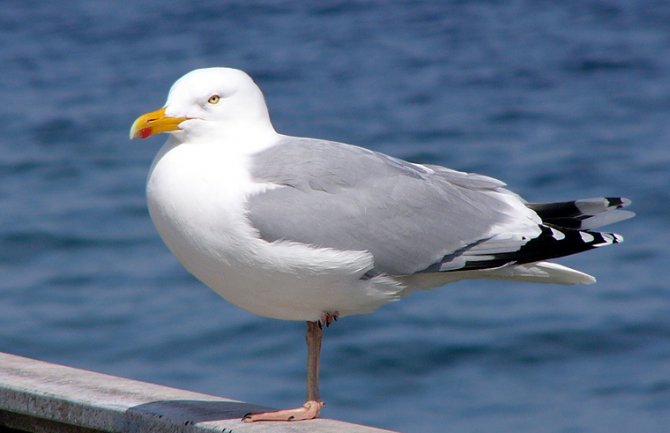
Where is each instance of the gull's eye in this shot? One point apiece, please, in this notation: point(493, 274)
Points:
point(214, 99)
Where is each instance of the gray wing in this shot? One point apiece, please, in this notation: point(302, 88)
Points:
point(412, 218)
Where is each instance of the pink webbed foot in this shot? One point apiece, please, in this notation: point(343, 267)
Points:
point(309, 410)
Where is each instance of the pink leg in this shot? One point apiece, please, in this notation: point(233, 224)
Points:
point(313, 405)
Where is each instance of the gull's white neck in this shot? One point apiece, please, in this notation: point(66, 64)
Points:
point(226, 137)
point(197, 189)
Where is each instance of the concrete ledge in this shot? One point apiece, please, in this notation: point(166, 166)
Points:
point(40, 397)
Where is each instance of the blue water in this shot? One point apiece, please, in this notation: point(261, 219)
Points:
point(559, 99)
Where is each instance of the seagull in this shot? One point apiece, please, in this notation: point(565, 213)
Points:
point(313, 230)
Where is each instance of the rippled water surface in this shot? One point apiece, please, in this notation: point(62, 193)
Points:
point(559, 99)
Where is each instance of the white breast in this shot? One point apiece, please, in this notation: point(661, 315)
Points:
point(196, 195)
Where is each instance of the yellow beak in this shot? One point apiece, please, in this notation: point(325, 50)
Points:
point(154, 123)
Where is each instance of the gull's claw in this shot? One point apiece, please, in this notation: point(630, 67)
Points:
point(328, 318)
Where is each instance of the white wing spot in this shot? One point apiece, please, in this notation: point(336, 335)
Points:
point(558, 235)
point(608, 240)
point(586, 237)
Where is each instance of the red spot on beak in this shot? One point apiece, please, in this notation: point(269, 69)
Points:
point(145, 132)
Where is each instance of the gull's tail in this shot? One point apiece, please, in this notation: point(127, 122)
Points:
point(566, 229)
point(584, 214)
point(576, 219)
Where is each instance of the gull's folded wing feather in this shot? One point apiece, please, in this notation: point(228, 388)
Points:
point(412, 218)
